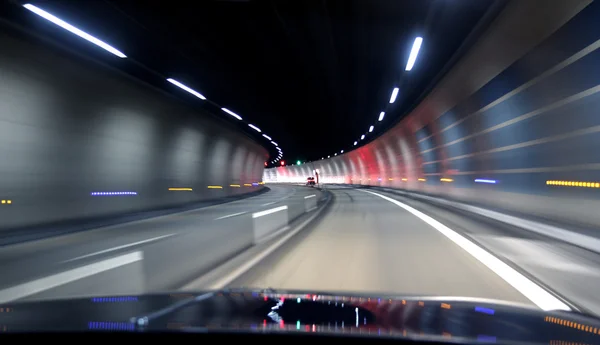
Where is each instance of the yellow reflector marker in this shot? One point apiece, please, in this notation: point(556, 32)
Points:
point(391, 179)
point(248, 184)
point(235, 185)
point(573, 184)
point(9, 201)
point(261, 183)
point(181, 189)
point(446, 180)
point(422, 180)
point(4, 201)
point(404, 179)
point(215, 187)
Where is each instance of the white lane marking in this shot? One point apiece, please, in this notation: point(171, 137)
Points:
point(528, 288)
point(310, 196)
point(269, 203)
point(119, 247)
point(247, 265)
point(280, 199)
point(266, 212)
point(49, 282)
point(231, 215)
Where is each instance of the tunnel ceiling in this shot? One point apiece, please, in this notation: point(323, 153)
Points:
point(313, 75)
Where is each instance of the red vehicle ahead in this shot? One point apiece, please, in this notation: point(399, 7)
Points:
point(310, 181)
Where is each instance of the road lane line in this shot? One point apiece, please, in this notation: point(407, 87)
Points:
point(269, 203)
point(535, 293)
point(36, 286)
point(231, 215)
point(280, 199)
point(310, 196)
point(119, 247)
point(269, 211)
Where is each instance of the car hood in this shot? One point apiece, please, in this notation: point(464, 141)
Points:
point(418, 317)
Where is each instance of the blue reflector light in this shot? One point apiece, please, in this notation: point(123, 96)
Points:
point(485, 310)
point(480, 180)
point(114, 299)
point(111, 326)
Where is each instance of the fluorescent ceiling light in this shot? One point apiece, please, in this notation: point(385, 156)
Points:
point(362, 137)
point(231, 113)
point(356, 142)
point(74, 30)
point(274, 143)
point(254, 127)
point(394, 95)
point(192, 91)
point(342, 151)
point(370, 129)
point(381, 115)
point(414, 52)
point(266, 136)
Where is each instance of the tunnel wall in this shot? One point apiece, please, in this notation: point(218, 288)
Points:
point(520, 108)
point(70, 127)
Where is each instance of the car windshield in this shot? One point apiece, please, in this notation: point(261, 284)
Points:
point(418, 147)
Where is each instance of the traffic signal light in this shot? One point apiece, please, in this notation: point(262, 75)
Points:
point(282, 163)
point(298, 163)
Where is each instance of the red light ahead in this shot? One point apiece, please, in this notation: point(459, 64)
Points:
point(282, 162)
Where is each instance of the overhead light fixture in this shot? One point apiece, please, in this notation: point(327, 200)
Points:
point(356, 142)
point(188, 89)
point(394, 95)
point(266, 136)
point(274, 143)
point(335, 154)
point(254, 127)
point(342, 151)
point(74, 30)
point(231, 113)
point(414, 52)
point(328, 156)
point(362, 137)
point(381, 115)
point(371, 129)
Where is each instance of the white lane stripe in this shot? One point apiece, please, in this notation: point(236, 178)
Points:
point(528, 288)
point(231, 215)
point(310, 196)
point(119, 247)
point(266, 212)
point(269, 203)
point(47, 283)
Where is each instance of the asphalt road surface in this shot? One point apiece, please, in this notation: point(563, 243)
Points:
point(367, 243)
point(154, 254)
point(364, 241)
